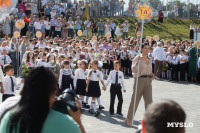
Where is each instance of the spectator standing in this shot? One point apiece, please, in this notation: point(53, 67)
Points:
point(62, 10)
point(47, 25)
point(64, 29)
point(34, 9)
point(58, 26)
point(79, 12)
point(112, 7)
point(87, 25)
point(107, 28)
point(106, 7)
point(28, 9)
point(125, 29)
point(130, 8)
point(21, 6)
point(6, 27)
point(11, 24)
point(53, 13)
point(70, 28)
point(193, 54)
point(199, 10)
point(48, 11)
point(159, 55)
point(176, 7)
point(21, 13)
point(78, 24)
point(68, 14)
point(100, 28)
point(31, 25)
point(185, 10)
point(160, 7)
point(160, 17)
point(53, 21)
point(94, 28)
point(112, 24)
point(41, 12)
point(122, 3)
point(86, 13)
point(37, 25)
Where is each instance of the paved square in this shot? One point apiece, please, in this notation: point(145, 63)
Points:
point(187, 95)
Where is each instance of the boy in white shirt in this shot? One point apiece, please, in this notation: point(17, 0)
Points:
point(9, 84)
point(4, 58)
point(116, 78)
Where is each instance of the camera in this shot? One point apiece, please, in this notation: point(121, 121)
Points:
point(67, 98)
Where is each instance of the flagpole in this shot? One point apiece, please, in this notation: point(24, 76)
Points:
point(136, 86)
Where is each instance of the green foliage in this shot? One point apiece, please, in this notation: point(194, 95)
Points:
point(25, 70)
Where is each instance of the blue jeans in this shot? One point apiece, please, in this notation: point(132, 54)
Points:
point(30, 31)
point(71, 33)
point(100, 33)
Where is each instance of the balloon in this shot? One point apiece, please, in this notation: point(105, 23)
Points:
point(6, 7)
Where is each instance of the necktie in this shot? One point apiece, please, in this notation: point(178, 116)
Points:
point(4, 59)
point(12, 46)
point(116, 78)
point(12, 84)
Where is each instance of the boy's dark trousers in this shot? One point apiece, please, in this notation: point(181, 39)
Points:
point(5, 96)
point(182, 71)
point(115, 89)
point(175, 71)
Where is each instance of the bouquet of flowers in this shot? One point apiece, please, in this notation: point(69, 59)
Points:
point(55, 68)
point(75, 63)
point(25, 69)
point(165, 67)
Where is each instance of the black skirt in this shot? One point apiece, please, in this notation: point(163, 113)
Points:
point(81, 86)
point(94, 89)
point(106, 65)
point(123, 63)
point(191, 34)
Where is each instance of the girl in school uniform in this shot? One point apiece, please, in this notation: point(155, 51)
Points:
point(93, 89)
point(112, 59)
point(106, 62)
point(91, 55)
point(65, 76)
point(124, 57)
point(30, 59)
point(80, 80)
point(100, 55)
point(118, 51)
point(51, 62)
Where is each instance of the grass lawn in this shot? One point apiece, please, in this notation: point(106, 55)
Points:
point(172, 29)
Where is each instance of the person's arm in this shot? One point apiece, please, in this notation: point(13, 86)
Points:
point(87, 85)
point(135, 63)
point(60, 79)
point(123, 86)
point(77, 116)
point(108, 80)
point(9, 60)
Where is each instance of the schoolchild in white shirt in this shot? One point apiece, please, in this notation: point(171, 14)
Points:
point(30, 59)
point(43, 61)
point(169, 63)
point(175, 61)
point(71, 66)
point(9, 84)
point(80, 80)
point(4, 58)
point(116, 77)
point(182, 64)
point(106, 62)
point(93, 89)
point(65, 76)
